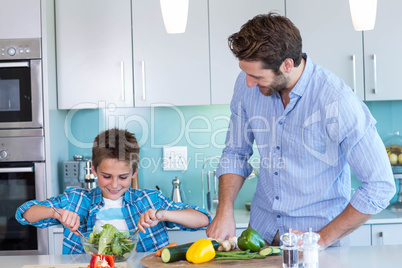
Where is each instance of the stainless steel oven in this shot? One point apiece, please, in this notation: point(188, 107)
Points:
point(20, 83)
point(22, 178)
point(22, 149)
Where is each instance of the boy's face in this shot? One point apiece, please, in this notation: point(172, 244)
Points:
point(114, 177)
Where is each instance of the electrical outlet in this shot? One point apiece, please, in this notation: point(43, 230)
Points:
point(175, 158)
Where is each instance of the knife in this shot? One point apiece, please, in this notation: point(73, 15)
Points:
point(208, 194)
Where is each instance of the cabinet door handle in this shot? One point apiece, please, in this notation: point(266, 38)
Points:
point(143, 80)
point(354, 73)
point(375, 73)
point(382, 238)
point(123, 84)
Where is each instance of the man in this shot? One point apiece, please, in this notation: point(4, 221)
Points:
point(310, 130)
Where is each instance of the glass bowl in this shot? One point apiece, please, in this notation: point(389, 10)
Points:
point(122, 247)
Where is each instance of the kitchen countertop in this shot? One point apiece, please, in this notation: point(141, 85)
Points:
point(345, 257)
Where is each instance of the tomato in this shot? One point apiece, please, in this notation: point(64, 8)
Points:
point(101, 261)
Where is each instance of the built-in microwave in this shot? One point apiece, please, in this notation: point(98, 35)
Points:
point(20, 84)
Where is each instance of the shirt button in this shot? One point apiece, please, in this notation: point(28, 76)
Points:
point(280, 122)
point(277, 147)
point(276, 173)
point(277, 197)
point(278, 216)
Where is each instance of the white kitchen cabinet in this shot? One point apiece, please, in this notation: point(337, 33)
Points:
point(20, 19)
point(381, 53)
point(56, 237)
point(170, 69)
point(226, 17)
point(329, 38)
point(361, 236)
point(94, 53)
point(386, 234)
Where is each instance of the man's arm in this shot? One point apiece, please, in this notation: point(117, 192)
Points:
point(223, 225)
point(346, 222)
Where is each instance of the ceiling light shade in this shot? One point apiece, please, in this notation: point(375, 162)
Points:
point(363, 14)
point(175, 13)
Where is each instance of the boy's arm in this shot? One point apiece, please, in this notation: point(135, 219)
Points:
point(188, 217)
point(37, 213)
point(68, 218)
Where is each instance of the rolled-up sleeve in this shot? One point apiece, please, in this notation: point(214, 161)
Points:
point(40, 224)
point(239, 138)
point(369, 162)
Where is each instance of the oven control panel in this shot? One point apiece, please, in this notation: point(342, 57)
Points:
point(3, 154)
point(19, 49)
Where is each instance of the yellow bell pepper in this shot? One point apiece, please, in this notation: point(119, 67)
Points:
point(201, 251)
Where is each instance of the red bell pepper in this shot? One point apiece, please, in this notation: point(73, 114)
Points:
point(101, 261)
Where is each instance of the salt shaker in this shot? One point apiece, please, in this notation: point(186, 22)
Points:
point(290, 250)
point(310, 249)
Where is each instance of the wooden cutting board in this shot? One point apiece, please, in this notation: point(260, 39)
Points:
point(270, 261)
point(77, 265)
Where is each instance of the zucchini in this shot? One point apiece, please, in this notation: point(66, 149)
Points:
point(178, 253)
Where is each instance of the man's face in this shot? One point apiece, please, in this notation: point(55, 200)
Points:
point(268, 82)
point(114, 177)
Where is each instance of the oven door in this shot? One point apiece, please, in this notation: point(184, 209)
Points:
point(20, 182)
point(21, 94)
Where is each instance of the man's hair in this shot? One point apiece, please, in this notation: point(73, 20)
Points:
point(116, 144)
point(269, 38)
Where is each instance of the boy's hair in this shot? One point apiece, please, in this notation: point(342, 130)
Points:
point(269, 38)
point(116, 144)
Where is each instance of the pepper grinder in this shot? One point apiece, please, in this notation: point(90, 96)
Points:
point(290, 250)
point(89, 176)
point(176, 193)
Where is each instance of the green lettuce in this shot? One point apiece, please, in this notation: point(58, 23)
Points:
point(112, 242)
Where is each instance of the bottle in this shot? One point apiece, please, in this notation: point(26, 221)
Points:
point(290, 250)
point(310, 249)
point(176, 193)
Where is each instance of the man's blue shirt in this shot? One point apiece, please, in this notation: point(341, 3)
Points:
point(307, 151)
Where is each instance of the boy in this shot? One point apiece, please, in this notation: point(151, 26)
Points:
point(115, 158)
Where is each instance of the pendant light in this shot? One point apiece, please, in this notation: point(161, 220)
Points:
point(175, 13)
point(363, 14)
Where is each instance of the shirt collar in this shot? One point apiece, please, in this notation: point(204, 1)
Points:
point(304, 79)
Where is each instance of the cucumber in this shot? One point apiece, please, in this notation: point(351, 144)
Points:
point(266, 251)
point(178, 253)
point(276, 251)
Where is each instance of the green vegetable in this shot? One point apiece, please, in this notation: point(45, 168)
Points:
point(112, 242)
point(266, 251)
point(238, 255)
point(177, 253)
point(276, 251)
point(250, 239)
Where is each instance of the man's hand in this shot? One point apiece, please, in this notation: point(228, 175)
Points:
point(223, 226)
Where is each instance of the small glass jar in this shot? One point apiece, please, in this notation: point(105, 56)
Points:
point(290, 250)
point(310, 249)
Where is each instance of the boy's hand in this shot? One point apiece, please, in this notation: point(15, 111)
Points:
point(149, 219)
point(68, 218)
